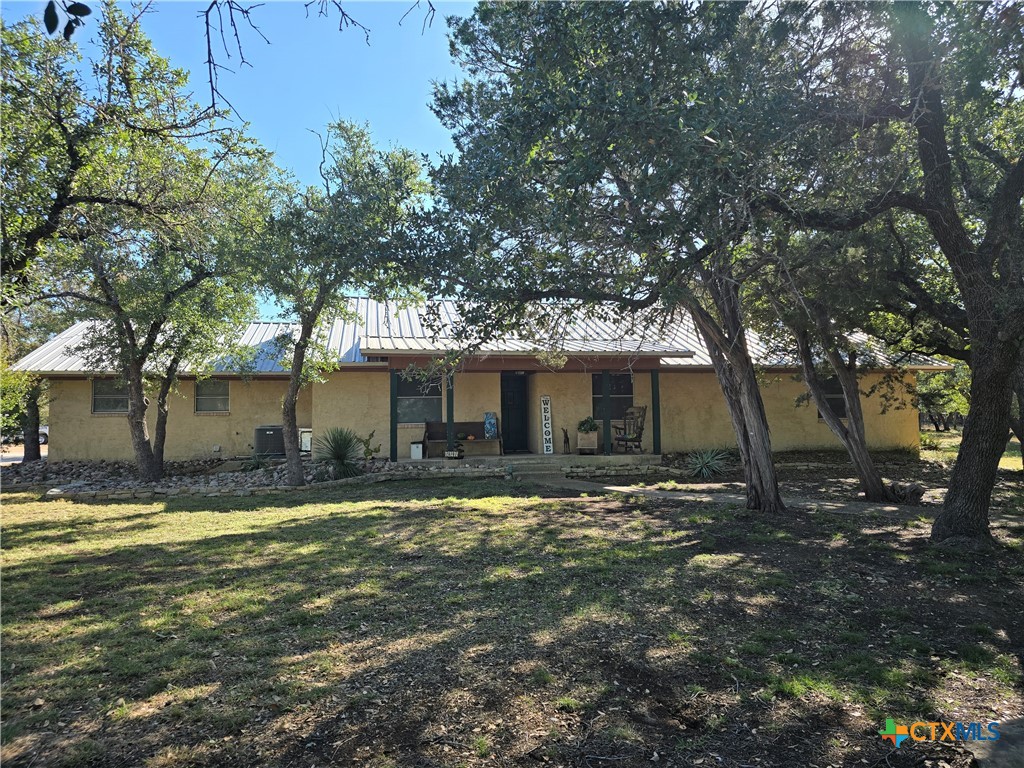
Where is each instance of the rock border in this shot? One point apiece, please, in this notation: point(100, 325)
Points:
point(624, 470)
point(185, 491)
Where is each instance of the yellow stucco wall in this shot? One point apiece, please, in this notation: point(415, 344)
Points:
point(77, 433)
point(475, 394)
point(572, 401)
point(693, 414)
point(359, 400)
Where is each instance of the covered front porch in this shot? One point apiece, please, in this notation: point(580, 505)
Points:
point(537, 408)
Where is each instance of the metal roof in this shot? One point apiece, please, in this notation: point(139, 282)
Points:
point(390, 328)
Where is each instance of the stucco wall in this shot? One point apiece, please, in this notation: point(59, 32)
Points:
point(476, 393)
point(359, 400)
point(77, 433)
point(572, 401)
point(693, 415)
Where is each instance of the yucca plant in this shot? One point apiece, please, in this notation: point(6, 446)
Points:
point(342, 449)
point(707, 463)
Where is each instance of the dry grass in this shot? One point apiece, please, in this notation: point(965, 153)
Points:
point(471, 625)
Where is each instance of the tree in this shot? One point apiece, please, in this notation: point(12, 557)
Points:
point(917, 109)
point(141, 206)
point(78, 145)
point(816, 290)
point(595, 150)
point(222, 20)
point(944, 395)
point(14, 386)
point(22, 329)
point(347, 235)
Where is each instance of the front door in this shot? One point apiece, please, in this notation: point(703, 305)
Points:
point(513, 413)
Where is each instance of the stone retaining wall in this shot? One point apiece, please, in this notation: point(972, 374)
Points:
point(159, 492)
point(635, 470)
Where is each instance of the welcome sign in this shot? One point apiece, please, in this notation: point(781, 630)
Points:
point(547, 437)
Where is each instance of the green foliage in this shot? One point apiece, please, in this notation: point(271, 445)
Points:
point(587, 425)
point(342, 449)
point(255, 463)
point(368, 451)
point(141, 202)
point(349, 235)
point(944, 392)
point(14, 385)
point(707, 463)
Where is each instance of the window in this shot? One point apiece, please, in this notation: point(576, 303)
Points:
point(109, 396)
point(834, 397)
point(212, 396)
point(419, 400)
point(620, 395)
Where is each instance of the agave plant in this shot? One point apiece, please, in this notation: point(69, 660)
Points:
point(707, 463)
point(342, 449)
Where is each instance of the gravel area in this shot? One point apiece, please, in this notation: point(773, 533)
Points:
point(211, 473)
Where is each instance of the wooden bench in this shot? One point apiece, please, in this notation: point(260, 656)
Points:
point(436, 435)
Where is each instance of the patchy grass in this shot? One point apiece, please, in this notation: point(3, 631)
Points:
point(460, 624)
point(947, 444)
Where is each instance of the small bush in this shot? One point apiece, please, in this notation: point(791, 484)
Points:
point(588, 424)
point(255, 463)
point(707, 463)
point(368, 449)
point(342, 449)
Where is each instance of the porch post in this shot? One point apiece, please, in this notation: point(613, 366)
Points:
point(655, 412)
point(394, 415)
point(606, 408)
point(450, 416)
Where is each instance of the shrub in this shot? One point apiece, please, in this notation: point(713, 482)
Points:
point(707, 463)
point(368, 451)
point(587, 425)
point(256, 462)
point(342, 449)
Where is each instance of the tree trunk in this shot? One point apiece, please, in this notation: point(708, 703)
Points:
point(851, 434)
point(162, 408)
point(292, 454)
point(965, 511)
point(31, 422)
point(738, 380)
point(138, 405)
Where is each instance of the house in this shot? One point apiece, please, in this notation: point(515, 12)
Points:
point(607, 369)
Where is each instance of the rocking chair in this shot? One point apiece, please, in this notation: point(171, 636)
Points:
point(631, 434)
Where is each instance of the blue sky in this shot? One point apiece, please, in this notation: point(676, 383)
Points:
point(311, 73)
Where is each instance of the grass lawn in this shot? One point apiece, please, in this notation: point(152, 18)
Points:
point(475, 624)
point(946, 445)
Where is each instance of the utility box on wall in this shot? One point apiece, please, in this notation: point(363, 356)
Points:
point(306, 440)
point(269, 440)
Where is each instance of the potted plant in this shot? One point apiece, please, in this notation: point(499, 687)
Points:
point(586, 435)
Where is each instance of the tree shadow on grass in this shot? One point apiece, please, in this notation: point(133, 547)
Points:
point(433, 628)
